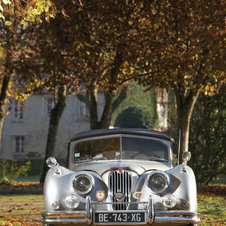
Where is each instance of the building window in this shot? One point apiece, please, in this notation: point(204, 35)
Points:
point(83, 112)
point(18, 144)
point(18, 113)
point(49, 105)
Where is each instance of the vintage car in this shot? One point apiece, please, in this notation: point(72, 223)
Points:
point(120, 176)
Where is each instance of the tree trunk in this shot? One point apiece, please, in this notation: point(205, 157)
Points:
point(3, 97)
point(5, 84)
point(185, 106)
point(122, 96)
point(55, 116)
point(106, 116)
point(94, 123)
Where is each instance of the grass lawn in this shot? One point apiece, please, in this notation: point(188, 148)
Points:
point(212, 210)
point(21, 210)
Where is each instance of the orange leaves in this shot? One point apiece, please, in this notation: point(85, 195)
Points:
point(80, 1)
point(18, 221)
point(64, 13)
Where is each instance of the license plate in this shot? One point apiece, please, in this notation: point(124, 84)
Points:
point(138, 217)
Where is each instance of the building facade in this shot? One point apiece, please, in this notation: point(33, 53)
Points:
point(25, 129)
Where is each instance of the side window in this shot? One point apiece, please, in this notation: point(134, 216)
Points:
point(18, 108)
point(49, 105)
point(18, 144)
point(83, 112)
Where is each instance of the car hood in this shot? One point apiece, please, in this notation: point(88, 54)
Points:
point(137, 166)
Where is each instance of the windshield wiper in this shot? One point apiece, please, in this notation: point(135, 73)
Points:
point(158, 159)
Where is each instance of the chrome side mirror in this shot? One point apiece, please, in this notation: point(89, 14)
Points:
point(51, 162)
point(186, 156)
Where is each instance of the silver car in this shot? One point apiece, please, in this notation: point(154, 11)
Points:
point(123, 177)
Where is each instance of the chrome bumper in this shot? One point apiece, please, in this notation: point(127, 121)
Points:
point(152, 217)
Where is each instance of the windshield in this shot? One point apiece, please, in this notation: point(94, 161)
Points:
point(132, 148)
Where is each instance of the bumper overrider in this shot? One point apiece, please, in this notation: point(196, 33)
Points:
point(146, 216)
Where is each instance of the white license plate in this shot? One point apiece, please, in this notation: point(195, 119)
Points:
point(113, 217)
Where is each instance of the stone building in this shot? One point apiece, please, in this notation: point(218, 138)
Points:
point(25, 129)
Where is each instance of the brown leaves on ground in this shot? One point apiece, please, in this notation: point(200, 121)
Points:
point(212, 190)
point(19, 221)
point(19, 184)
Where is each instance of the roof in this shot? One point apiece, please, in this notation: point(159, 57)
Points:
point(132, 131)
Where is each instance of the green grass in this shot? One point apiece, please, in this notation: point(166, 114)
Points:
point(18, 210)
point(212, 210)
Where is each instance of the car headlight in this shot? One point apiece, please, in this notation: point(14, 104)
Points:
point(158, 181)
point(83, 183)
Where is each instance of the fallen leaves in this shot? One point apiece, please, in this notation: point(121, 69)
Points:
point(18, 221)
point(21, 210)
point(212, 190)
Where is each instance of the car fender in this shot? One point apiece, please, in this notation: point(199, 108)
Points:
point(187, 189)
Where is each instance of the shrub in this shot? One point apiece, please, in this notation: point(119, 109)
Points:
point(9, 171)
point(208, 137)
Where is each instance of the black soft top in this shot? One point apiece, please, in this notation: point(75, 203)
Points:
point(132, 131)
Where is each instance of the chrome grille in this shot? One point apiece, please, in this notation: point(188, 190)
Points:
point(120, 183)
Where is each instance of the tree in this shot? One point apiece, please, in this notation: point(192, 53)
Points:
point(13, 16)
point(208, 137)
point(95, 44)
point(189, 55)
point(107, 46)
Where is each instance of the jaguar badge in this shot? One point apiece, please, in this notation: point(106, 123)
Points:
point(120, 197)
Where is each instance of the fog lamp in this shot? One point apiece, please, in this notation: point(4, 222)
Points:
point(169, 201)
point(184, 203)
point(56, 205)
point(72, 201)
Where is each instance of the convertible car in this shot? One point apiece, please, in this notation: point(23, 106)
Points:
point(123, 177)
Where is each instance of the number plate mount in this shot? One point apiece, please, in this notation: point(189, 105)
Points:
point(126, 217)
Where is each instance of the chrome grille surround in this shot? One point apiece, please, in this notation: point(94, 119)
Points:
point(120, 182)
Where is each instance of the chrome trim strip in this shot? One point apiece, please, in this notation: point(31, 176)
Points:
point(177, 220)
point(121, 146)
point(89, 210)
point(103, 203)
point(60, 221)
point(151, 210)
point(176, 213)
point(64, 214)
